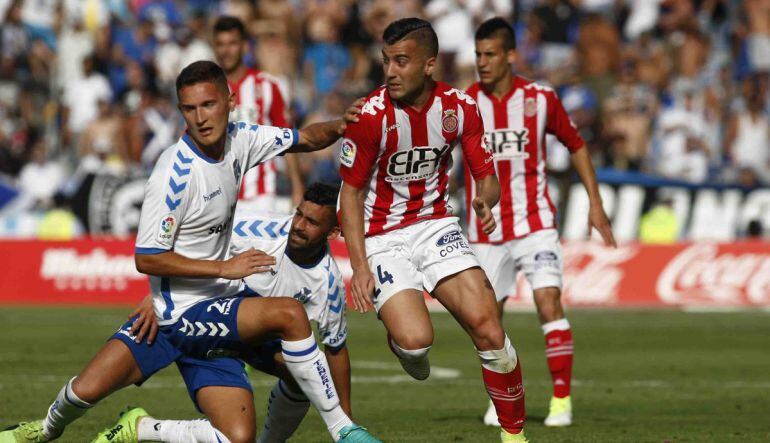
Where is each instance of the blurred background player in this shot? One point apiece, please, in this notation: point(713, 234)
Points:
point(398, 223)
point(258, 99)
point(518, 114)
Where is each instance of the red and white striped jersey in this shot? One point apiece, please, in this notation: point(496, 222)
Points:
point(259, 100)
point(403, 155)
point(516, 126)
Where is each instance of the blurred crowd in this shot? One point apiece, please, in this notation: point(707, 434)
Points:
point(674, 88)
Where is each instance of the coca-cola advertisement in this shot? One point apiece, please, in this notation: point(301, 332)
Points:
point(700, 275)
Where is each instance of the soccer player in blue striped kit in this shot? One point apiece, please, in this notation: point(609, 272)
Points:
point(182, 243)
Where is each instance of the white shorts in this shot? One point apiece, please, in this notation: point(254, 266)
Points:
point(417, 257)
point(538, 256)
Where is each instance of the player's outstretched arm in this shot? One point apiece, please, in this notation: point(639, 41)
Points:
point(320, 135)
point(339, 364)
point(352, 223)
point(597, 218)
point(487, 196)
point(171, 264)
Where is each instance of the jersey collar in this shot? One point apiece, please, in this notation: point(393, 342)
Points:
point(189, 141)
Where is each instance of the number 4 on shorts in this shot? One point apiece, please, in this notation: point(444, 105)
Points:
point(383, 277)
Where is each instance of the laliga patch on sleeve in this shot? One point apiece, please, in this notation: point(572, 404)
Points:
point(166, 228)
point(348, 153)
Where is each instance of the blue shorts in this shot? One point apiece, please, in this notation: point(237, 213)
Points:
point(208, 325)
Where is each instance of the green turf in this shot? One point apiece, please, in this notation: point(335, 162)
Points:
point(640, 376)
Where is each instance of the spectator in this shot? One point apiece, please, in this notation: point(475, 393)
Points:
point(325, 59)
point(747, 142)
point(683, 153)
point(39, 180)
point(80, 100)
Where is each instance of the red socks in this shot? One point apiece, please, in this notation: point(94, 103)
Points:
point(501, 371)
point(558, 352)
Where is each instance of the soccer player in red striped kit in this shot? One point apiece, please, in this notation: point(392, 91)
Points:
point(517, 114)
point(258, 99)
point(398, 225)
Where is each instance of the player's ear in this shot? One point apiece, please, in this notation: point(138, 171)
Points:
point(511, 56)
point(334, 233)
point(430, 66)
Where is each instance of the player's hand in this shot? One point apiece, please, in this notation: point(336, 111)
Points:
point(597, 218)
point(361, 288)
point(484, 214)
point(245, 264)
point(145, 324)
point(351, 115)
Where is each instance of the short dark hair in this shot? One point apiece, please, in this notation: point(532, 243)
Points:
point(200, 72)
point(323, 194)
point(498, 27)
point(229, 23)
point(412, 28)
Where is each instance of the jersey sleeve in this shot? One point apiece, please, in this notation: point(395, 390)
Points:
point(333, 326)
point(166, 200)
point(561, 125)
point(261, 143)
point(358, 152)
point(475, 144)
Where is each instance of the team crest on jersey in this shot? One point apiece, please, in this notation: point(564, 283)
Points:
point(530, 107)
point(449, 122)
point(348, 152)
point(167, 224)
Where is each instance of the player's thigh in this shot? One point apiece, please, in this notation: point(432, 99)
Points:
point(499, 266)
point(230, 410)
point(407, 319)
point(393, 269)
point(122, 362)
point(260, 318)
point(469, 297)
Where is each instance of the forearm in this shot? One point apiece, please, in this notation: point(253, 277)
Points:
point(171, 264)
point(488, 189)
point(339, 364)
point(318, 136)
point(352, 223)
point(582, 163)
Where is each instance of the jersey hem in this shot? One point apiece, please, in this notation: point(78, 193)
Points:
point(412, 222)
point(510, 238)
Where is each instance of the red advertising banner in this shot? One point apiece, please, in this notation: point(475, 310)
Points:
point(633, 275)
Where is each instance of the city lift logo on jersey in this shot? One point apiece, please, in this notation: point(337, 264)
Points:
point(449, 123)
point(509, 143)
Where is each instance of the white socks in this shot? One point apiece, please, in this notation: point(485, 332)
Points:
point(310, 370)
point(502, 360)
point(179, 431)
point(285, 411)
point(65, 409)
point(557, 325)
point(408, 354)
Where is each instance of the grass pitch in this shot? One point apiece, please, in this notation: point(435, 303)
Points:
point(639, 376)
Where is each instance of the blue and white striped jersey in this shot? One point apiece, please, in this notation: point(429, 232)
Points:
point(188, 207)
point(319, 287)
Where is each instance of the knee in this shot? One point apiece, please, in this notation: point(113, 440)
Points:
point(486, 331)
point(548, 302)
point(415, 340)
point(242, 433)
point(87, 390)
point(293, 315)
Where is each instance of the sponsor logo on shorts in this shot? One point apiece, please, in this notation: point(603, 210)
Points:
point(451, 243)
point(546, 259)
point(223, 306)
point(348, 152)
point(449, 237)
